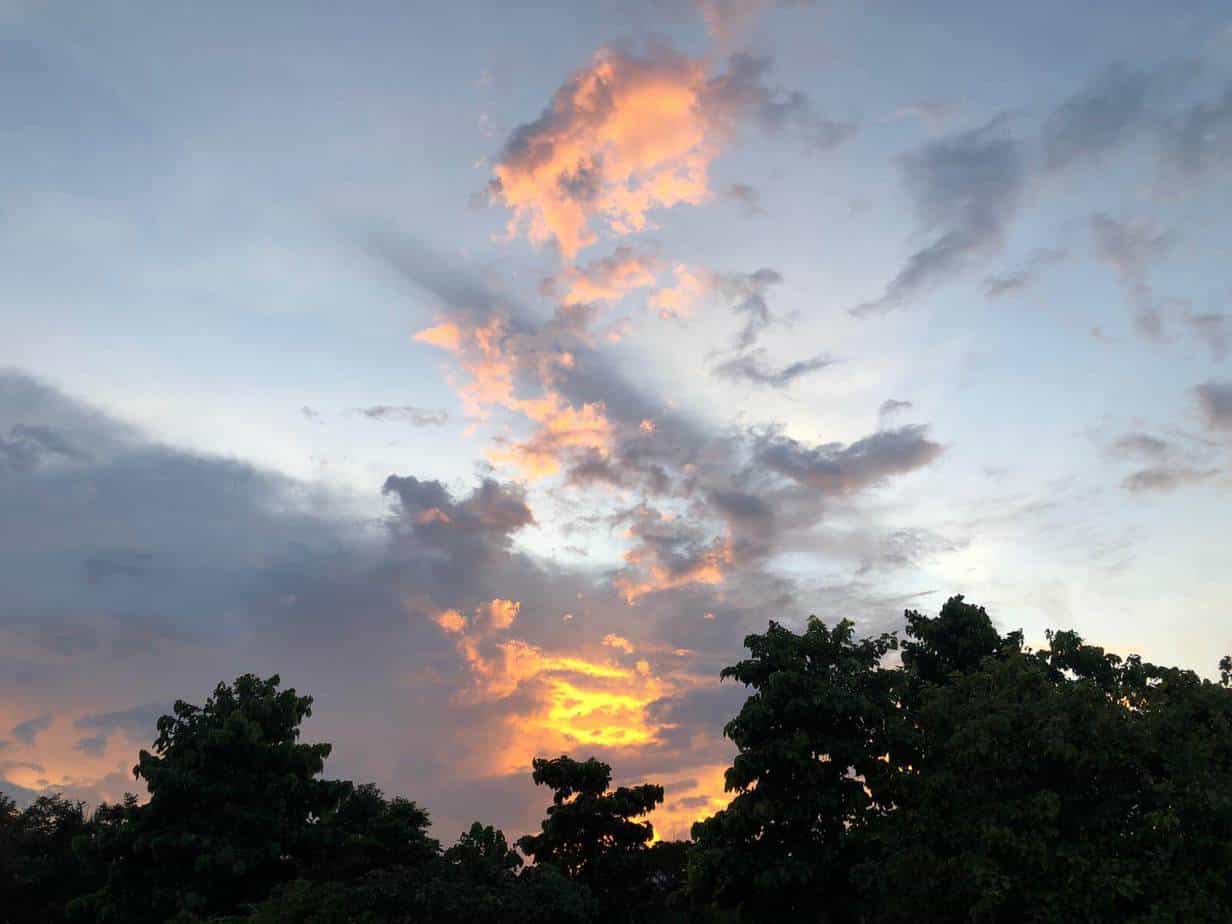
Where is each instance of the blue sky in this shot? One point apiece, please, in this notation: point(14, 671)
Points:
point(667, 318)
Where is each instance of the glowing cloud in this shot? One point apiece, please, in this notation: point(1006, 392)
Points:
point(625, 135)
point(612, 640)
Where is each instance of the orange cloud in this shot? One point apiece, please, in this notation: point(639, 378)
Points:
point(651, 572)
point(679, 300)
point(691, 795)
point(612, 640)
point(624, 136)
point(606, 280)
point(492, 357)
point(502, 613)
point(450, 620)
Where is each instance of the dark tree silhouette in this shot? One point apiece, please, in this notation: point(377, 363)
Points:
point(812, 739)
point(980, 781)
point(234, 801)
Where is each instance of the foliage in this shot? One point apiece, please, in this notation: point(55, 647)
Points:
point(976, 781)
point(234, 801)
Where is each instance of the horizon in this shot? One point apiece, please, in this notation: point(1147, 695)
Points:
point(488, 374)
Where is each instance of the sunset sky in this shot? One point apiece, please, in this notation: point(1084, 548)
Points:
point(490, 370)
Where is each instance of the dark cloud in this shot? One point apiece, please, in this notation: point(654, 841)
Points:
point(138, 723)
point(405, 413)
point(966, 187)
point(837, 469)
point(754, 367)
point(747, 294)
point(27, 731)
point(1099, 119)
point(1215, 402)
point(1025, 276)
point(742, 92)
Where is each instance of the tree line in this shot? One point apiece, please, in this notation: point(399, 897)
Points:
point(969, 779)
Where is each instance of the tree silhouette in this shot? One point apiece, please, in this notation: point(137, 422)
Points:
point(234, 798)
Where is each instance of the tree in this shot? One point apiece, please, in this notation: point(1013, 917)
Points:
point(233, 810)
point(591, 835)
point(812, 741)
point(39, 871)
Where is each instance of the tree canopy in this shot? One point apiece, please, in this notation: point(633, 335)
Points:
point(955, 775)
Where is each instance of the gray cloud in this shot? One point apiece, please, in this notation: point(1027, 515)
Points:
point(1099, 119)
point(754, 367)
point(1130, 248)
point(1025, 276)
point(747, 295)
point(137, 723)
point(1210, 329)
point(838, 469)
point(892, 406)
point(1142, 444)
point(966, 187)
point(1215, 402)
point(94, 745)
point(1165, 478)
point(27, 731)
point(741, 91)
point(405, 413)
point(748, 198)
point(1200, 141)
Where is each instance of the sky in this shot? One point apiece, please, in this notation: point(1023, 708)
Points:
point(489, 371)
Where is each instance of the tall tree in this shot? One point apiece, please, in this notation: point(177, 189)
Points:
point(234, 804)
point(592, 835)
point(812, 740)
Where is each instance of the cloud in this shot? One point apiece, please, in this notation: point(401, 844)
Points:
point(629, 134)
point(1212, 330)
point(1141, 444)
point(612, 640)
point(27, 731)
point(1025, 276)
point(606, 280)
point(1099, 119)
point(837, 469)
point(1167, 466)
point(933, 113)
point(1165, 478)
point(966, 188)
point(405, 413)
point(747, 294)
point(1130, 248)
point(892, 406)
point(748, 198)
point(94, 745)
point(678, 300)
point(727, 20)
point(138, 723)
point(754, 367)
point(1200, 141)
point(1215, 402)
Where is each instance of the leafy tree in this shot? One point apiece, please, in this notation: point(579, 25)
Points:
point(591, 835)
point(812, 741)
point(39, 871)
point(234, 807)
